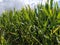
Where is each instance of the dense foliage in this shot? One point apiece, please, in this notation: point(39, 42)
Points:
point(38, 26)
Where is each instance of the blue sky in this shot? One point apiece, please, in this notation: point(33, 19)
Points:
point(10, 4)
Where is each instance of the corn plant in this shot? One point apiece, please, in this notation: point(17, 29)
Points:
point(38, 26)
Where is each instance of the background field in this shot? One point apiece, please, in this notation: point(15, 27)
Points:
point(38, 26)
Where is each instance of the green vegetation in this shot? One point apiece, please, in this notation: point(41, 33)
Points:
point(38, 26)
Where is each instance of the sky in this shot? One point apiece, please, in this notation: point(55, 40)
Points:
point(10, 4)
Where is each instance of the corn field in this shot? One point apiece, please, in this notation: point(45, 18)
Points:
point(38, 26)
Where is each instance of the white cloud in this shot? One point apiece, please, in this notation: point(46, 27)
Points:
point(1, 0)
point(56, 0)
